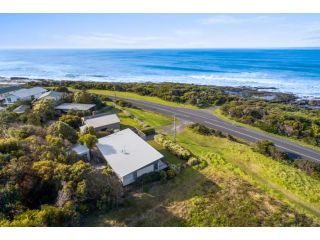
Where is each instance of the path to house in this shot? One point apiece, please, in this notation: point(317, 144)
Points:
point(206, 118)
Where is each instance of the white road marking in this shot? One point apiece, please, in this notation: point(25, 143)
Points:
point(247, 135)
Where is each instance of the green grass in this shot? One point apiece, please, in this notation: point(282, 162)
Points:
point(140, 97)
point(217, 112)
point(225, 193)
point(152, 119)
point(289, 183)
point(169, 158)
point(126, 121)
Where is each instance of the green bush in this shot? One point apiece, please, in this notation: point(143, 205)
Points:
point(163, 176)
point(170, 174)
point(149, 131)
point(193, 161)
point(61, 129)
point(174, 148)
point(25, 131)
point(72, 120)
point(148, 177)
point(8, 145)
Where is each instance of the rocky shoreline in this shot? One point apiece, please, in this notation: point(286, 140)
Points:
point(263, 93)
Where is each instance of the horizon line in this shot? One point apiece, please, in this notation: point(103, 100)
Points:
point(158, 48)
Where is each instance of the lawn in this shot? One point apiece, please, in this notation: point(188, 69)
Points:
point(140, 97)
point(225, 193)
point(152, 119)
point(169, 158)
point(289, 183)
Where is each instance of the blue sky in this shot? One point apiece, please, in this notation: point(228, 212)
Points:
point(159, 30)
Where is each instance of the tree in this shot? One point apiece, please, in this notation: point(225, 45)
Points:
point(64, 131)
point(62, 89)
point(47, 216)
point(89, 140)
point(72, 120)
point(89, 130)
point(268, 148)
point(82, 97)
point(45, 109)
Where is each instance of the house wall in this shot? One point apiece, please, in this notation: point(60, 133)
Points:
point(10, 99)
point(144, 170)
point(110, 126)
point(126, 180)
point(14, 98)
point(132, 177)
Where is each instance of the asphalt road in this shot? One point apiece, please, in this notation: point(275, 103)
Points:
point(206, 118)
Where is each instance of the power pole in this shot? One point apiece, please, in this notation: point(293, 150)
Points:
point(174, 128)
point(114, 89)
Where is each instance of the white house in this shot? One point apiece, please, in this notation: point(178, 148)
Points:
point(65, 107)
point(21, 109)
point(6, 90)
point(23, 94)
point(101, 122)
point(51, 95)
point(129, 155)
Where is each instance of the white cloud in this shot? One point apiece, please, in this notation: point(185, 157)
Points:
point(110, 40)
point(187, 32)
point(219, 19)
point(239, 18)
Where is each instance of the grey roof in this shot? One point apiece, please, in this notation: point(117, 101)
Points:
point(28, 92)
point(126, 152)
point(80, 149)
point(51, 95)
point(75, 106)
point(21, 109)
point(101, 121)
point(7, 89)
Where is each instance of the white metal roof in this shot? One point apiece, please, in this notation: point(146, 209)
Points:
point(21, 109)
point(101, 121)
point(28, 92)
point(51, 95)
point(80, 149)
point(75, 106)
point(126, 152)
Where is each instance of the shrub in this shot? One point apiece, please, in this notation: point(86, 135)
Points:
point(89, 140)
point(149, 131)
point(72, 120)
point(89, 130)
point(44, 109)
point(163, 176)
point(123, 103)
point(148, 177)
point(170, 174)
point(193, 161)
point(174, 148)
point(61, 129)
point(201, 129)
point(24, 131)
point(8, 145)
point(47, 216)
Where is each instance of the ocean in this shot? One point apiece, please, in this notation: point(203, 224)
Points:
point(289, 70)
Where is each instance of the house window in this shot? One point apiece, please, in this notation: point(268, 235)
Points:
point(8, 99)
point(156, 166)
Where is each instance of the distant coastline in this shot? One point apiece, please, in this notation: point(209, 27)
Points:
point(295, 71)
